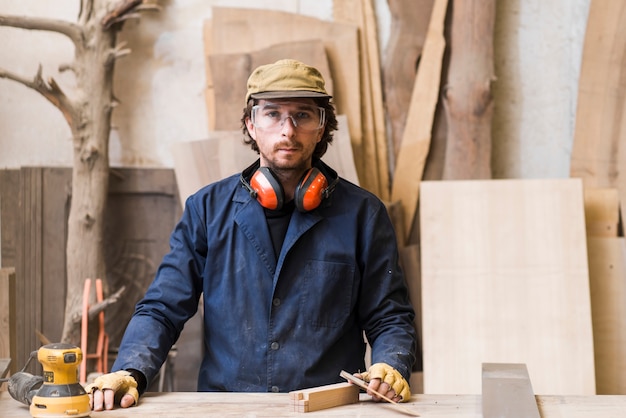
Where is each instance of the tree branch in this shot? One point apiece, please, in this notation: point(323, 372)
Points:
point(50, 91)
point(69, 29)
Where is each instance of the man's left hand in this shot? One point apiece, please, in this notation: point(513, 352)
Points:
point(387, 381)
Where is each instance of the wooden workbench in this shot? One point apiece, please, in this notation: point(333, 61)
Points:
point(192, 404)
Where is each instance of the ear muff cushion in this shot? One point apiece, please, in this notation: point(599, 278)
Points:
point(269, 191)
point(310, 191)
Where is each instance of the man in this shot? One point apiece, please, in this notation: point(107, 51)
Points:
point(294, 263)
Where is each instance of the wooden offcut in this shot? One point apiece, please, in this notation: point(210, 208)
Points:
point(417, 131)
point(507, 391)
point(505, 280)
point(324, 397)
point(598, 152)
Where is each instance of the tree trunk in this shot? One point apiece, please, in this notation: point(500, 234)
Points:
point(467, 96)
point(90, 176)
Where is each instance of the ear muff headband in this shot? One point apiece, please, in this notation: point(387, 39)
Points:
point(310, 190)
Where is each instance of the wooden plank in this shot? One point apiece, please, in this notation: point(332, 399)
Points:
point(7, 314)
point(602, 212)
point(508, 392)
point(361, 14)
point(235, 30)
point(407, 32)
point(598, 154)
point(607, 279)
point(230, 73)
point(198, 163)
point(416, 136)
point(324, 397)
point(505, 279)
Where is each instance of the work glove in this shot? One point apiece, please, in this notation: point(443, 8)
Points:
point(391, 376)
point(120, 382)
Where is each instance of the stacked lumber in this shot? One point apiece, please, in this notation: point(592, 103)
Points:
point(324, 397)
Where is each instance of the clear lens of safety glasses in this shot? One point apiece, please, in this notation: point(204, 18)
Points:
point(271, 116)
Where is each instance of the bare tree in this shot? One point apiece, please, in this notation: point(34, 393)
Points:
point(87, 108)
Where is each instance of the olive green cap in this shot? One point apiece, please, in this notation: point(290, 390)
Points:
point(284, 79)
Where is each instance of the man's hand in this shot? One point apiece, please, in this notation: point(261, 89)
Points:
point(388, 382)
point(111, 389)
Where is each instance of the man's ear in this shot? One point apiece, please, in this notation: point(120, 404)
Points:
point(250, 128)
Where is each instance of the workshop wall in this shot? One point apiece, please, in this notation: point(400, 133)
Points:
point(538, 46)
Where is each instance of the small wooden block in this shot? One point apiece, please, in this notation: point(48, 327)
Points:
point(323, 397)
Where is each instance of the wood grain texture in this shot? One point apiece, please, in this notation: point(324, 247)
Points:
point(505, 280)
point(607, 281)
point(276, 405)
point(7, 315)
point(602, 212)
point(324, 397)
point(598, 153)
point(417, 132)
point(407, 33)
point(467, 96)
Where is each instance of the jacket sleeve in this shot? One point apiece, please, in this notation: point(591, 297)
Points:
point(171, 299)
point(385, 310)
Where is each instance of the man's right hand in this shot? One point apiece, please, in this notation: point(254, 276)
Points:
point(112, 389)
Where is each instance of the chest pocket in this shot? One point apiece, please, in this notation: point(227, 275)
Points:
point(327, 297)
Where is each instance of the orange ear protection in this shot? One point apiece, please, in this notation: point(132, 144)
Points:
point(266, 188)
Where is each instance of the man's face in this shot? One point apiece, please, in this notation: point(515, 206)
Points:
point(286, 132)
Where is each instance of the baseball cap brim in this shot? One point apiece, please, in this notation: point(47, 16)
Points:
point(289, 95)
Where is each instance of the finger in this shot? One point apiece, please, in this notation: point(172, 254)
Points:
point(127, 401)
point(376, 385)
point(98, 400)
point(109, 398)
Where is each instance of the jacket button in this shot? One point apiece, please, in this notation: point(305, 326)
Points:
point(276, 302)
point(274, 346)
point(275, 389)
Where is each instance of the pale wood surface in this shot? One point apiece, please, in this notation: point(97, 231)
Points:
point(598, 154)
point(505, 280)
point(417, 132)
point(508, 392)
point(324, 397)
point(601, 212)
point(267, 405)
point(361, 13)
point(607, 281)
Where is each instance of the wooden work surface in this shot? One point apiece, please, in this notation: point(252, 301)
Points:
point(192, 404)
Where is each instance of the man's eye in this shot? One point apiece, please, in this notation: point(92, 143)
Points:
point(273, 114)
point(303, 115)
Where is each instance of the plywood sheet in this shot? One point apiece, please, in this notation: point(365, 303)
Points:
point(198, 163)
point(505, 280)
point(602, 212)
point(508, 392)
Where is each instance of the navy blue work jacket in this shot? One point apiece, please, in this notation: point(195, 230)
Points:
point(281, 323)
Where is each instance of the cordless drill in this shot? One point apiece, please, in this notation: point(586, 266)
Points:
point(60, 394)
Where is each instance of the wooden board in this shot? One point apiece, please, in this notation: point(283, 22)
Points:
point(602, 212)
point(505, 280)
point(324, 397)
point(598, 153)
point(198, 163)
point(607, 278)
point(407, 32)
point(361, 13)
point(416, 136)
point(236, 30)
point(508, 392)
point(230, 74)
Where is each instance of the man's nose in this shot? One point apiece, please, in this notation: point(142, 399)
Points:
point(292, 125)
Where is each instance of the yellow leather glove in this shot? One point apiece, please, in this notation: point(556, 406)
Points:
point(120, 382)
point(391, 376)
